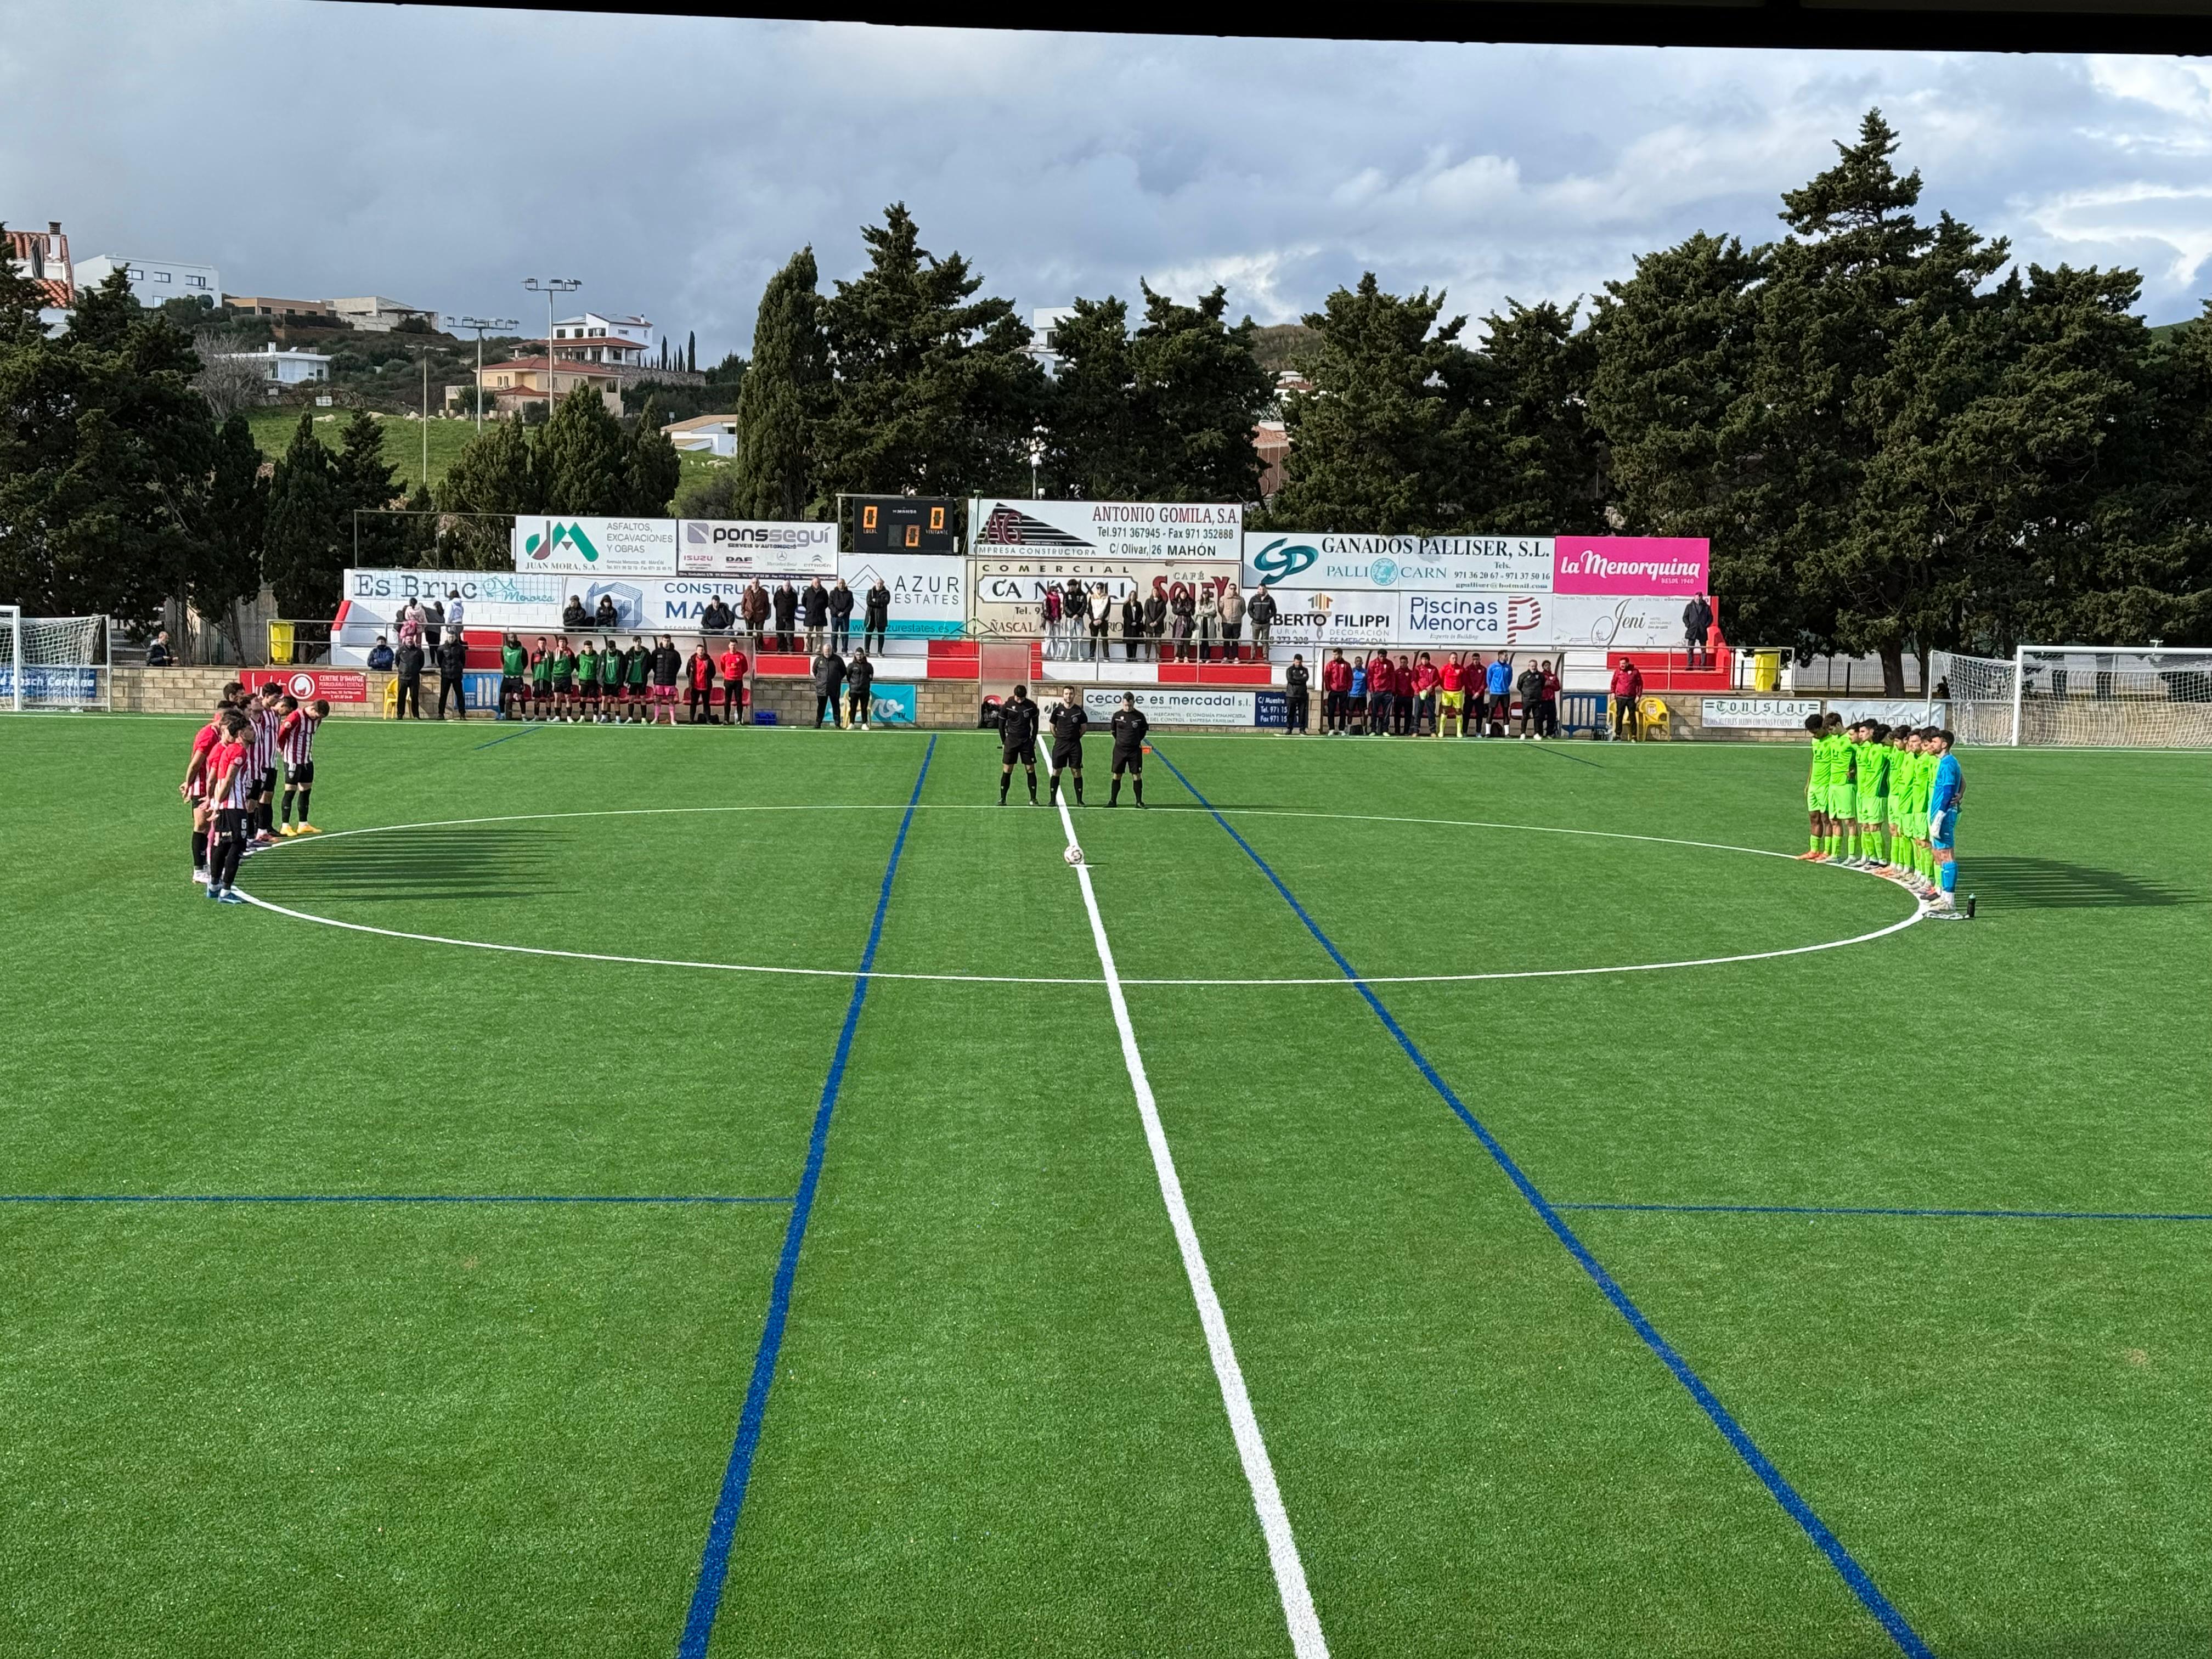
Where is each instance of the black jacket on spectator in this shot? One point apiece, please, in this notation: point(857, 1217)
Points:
point(814, 604)
point(716, 617)
point(1260, 607)
point(840, 603)
point(453, 658)
point(785, 600)
point(879, 606)
point(667, 666)
point(1156, 616)
point(1132, 619)
point(860, 677)
point(573, 617)
point(410, 662)
point(1295, 678)
point(606, 616)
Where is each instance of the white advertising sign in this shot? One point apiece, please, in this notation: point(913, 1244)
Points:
point(1458, 619)
point(1174, 705)
point(744, 547)
point(1009, 588)
point(1322, 617)
point(621, 547)
point(1891, 711)
point(1439, 564)
point(929, 591)
point(1759, 714)
point(494, 599)
point(1594, 619)
point(654, 604)
point(1116, 529)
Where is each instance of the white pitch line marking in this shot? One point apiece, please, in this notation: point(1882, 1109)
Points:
point(1039, 979)
point(1307, 1641)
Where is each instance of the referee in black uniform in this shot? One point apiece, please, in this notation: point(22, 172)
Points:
point(1069, 722)
point(1129, 726)
point(1018, 730)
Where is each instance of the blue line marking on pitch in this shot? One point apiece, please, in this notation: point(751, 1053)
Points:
point(1861, 1586)
point(379, 1198)
point(714, 1560)
point(1876, 1209)
point(532, 725)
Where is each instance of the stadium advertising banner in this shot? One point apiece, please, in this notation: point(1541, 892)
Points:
point(1759, 714)
point(1443, 564)
point(891, 703)
point(332, 684)
point(1317, 618)
point(620, 547)
point(1563, 619)
point(1162, 531)
point(1642, 567)
point(51, 683)
point(1890, 711)
point(1009, 591)
point(495, 600)
point(929, 592)
point(664, 604)
point(744, 547)
point(1174, 705)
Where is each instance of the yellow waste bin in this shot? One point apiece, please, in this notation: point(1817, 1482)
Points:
point(280, 642)
point(1765, 671)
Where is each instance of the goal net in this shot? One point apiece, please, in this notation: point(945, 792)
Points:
point(53, 662)
point(2121, 697)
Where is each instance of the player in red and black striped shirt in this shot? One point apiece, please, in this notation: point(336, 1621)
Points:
point(229, 774)
point(197, 782)
point(296, 742)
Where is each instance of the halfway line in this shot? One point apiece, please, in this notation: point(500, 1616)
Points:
point(1856, 1577)
point(721, 1531)
point(1307, 1641)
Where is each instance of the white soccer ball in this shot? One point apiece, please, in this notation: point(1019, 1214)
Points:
point(1074, 854)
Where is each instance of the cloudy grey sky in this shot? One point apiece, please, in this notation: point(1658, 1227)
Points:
point(313, 149)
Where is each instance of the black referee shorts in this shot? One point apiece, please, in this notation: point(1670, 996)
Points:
point(1024, 753)
point(1131, 759)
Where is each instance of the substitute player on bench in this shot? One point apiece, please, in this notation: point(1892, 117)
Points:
point(1070, 720)
point(1017, 732)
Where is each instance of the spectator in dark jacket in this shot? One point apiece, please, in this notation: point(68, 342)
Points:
point(667, 667)
point(1261, 610)
point(606, 616)
point(786, 605)
point(841, 618)
point(410, 664)
point(860, 691)
point(829, 680)
point(876, 617)
point(1156, 620)
point(453, 662)
point(1697, 626)
point(379, 655)
point(1530, 685)
point(1295, 681)
point(814, 615)
point(575, 619)
point(1547, 703)
point(1133, 626)
point(158, 655)
point(753, 606)
point(716, 617)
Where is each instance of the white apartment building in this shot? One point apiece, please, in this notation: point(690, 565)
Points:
point(282, 368)
point(153, 281)
point(592, 338)
point(1043, 321)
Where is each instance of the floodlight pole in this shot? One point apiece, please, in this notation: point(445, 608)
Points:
point(480, 324)
point(549, 286)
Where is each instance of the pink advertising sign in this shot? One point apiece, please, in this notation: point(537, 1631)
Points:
point(1643, 565)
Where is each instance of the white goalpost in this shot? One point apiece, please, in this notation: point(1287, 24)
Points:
point(53, 662)
point(2140, 696)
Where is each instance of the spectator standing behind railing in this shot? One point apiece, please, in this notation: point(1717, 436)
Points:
point(1626, 687)
point(1261, 610)
point(1183, 621)
point(158, 655)
point(456, 615)
point(379, 655)
point(1294, 691)
point(1156, 622)
point(1335, 695)
point(860, 691)
point(1054, 603)
point(575, 619)
point(716, 618)
point(841, 618)
point(1697, 626)
point(814, 616)
point(753, 606)
point(785, 602)
point(876, 617)
point(1232, 621)
point(434, 625)
point(453, 660)
point(1101, 622)
point(1133, 626)
point(1209, 621)
point(1530, 685)
point(606, 616)
point(410, 664)
point(1075, 604)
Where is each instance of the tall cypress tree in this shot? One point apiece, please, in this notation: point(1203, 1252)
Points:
point(306, 546)
point(584, 459)
point(654, 467)
point(782, 398)
point(1199, 391)
point(691, 351)
point(366, 486)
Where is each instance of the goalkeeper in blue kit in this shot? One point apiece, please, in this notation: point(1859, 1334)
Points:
point(1947, 793)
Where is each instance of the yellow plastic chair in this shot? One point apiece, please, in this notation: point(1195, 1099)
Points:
point(391, 699)
point(1657, 719)
point(280, 642)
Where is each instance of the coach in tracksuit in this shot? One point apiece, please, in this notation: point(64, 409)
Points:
point(1295, 681)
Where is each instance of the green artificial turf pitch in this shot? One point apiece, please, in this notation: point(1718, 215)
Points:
point(458, 1428)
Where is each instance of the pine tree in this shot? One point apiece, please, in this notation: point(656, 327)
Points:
point(231, 526)
point(1199, 393)
point(1383, 443)
point(496, 475)
point(654, 467)
point(584, 459)
point(306, 546)
point(1091, 452)
point(936, 392)
point(782, 398)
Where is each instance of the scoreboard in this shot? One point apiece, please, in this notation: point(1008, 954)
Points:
point(904, 524)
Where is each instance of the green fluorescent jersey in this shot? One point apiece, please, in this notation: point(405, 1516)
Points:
point(1828, 752)
point(637, 661)
point(564, 665)
point(610, 665)
point(542, 670)
point(587, 666)
point(513, 661)
point(1873, 769)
